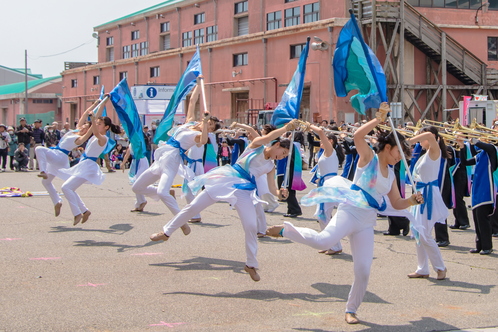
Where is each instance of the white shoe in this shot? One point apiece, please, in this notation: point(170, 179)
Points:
point(3, 169)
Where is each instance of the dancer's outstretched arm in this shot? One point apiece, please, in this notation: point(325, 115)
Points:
point(263, 140)
point(85, 114)
point(328, 149)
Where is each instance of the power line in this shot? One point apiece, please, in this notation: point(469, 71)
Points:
point(52, 55)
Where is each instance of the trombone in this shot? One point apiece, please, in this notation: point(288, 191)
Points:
point(475, 126)
point(403, 132)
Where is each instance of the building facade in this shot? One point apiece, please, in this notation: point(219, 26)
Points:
point(250, 50)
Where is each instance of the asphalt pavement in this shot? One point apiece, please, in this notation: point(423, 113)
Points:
point(106, 275)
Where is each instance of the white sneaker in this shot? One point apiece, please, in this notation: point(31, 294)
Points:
point(3, 169)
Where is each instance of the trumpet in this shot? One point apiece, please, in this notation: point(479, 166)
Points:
point(475, 126)
point(403, 132)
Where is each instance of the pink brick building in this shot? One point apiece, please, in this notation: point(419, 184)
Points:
point(250, 49)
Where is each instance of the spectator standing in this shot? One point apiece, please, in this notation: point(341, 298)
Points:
point(21, 158)
point(66, 129)
point(38, 138)
point(52, 135)
point(4, 145)
point(224, 153)
point(12, 146)
point(24, 133)
point(148, 141)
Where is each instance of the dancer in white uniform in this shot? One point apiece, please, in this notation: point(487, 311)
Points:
point(328, 165)
point(237, 185)
point(169, 160)
point(51, 160)
point(359, 203)
point(87, 170)
point(425, 175)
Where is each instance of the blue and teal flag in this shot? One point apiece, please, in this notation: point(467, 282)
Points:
point(357, 68)
point(130, 119)
point(289, 105)
point(185, 84)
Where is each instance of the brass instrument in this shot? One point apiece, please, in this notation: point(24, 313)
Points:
point(403, 132)
point(474, 125)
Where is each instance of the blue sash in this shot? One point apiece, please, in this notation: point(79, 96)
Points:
point(370, 200)
point(174, 143)
point(246, 176)
point(427, 196)
point(91, 158)
point(60, 149)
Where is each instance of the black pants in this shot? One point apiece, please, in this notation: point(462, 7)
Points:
point(482, 221)
point(494, 221)
point(460, 210)
point(3, 157)
point(398, 224)
point(292, 203)
point(441, 231)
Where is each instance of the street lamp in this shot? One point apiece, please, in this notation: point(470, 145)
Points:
point(485, 4)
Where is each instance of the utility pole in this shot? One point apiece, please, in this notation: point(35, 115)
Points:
point(25, 82)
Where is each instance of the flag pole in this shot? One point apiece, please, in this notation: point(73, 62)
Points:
point(203, 95)
point(285, 183)
point(394, 131)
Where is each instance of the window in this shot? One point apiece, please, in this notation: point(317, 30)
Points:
point(154, 71)
point(199, 18)
point(458, 4)
point(492, 47)
point(286, 1)
point(241, 7)
point(123, 75)
point(126, 52)
point(109, 41)
point(135, 50)
point(135, 35)
point(144, 48)
point(274, 20)
point(292, 16)
point(96, 80)
point(311, 12)
point(198, 36)
point(165, 43)
point(295, 50)
point(240, 59)
point(109, 54)
point(74, 83)
point(165, 27)
point(212, 33)
point(243, 26)
point(43, 101)
point(187, 39)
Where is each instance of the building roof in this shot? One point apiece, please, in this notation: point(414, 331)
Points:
point(143, 11)
point(21, 71)
point(20, 87)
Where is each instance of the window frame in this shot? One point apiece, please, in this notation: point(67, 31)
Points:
point(214, 29)
point(293, 48)
point(189, 40)
point(135, 34)
point(96, 79)
point(240, 59)
point(201, 36)
point(199, 18)
point(241, 7)
point(109, 41)
point(315, 15)
point(123, 74)
point(74, 83)
point(126, 52)
point(293, 18)
point(162, 27)
point(155, 71)
point(274, 21)
point(492, 57)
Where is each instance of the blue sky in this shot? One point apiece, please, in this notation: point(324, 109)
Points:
point(53, 26)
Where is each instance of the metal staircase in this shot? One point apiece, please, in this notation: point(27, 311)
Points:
point(428, 38)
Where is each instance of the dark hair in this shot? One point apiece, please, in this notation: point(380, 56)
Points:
point(337, 147)
point(284, 142)
point(439, 139)
point(108, 122)
point(387, 138)
point(268, 128)
point(299, 137)
point(256, 129)
point(217, 124)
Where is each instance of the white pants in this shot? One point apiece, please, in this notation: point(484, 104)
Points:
point(361, 237)
point(247, 215)
point(427, 250)
point(144, 186)
point(261, 216)
point(54, 195)
point(69, 189)
point(329, 209)
point(189, 197)
point(139, 200)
